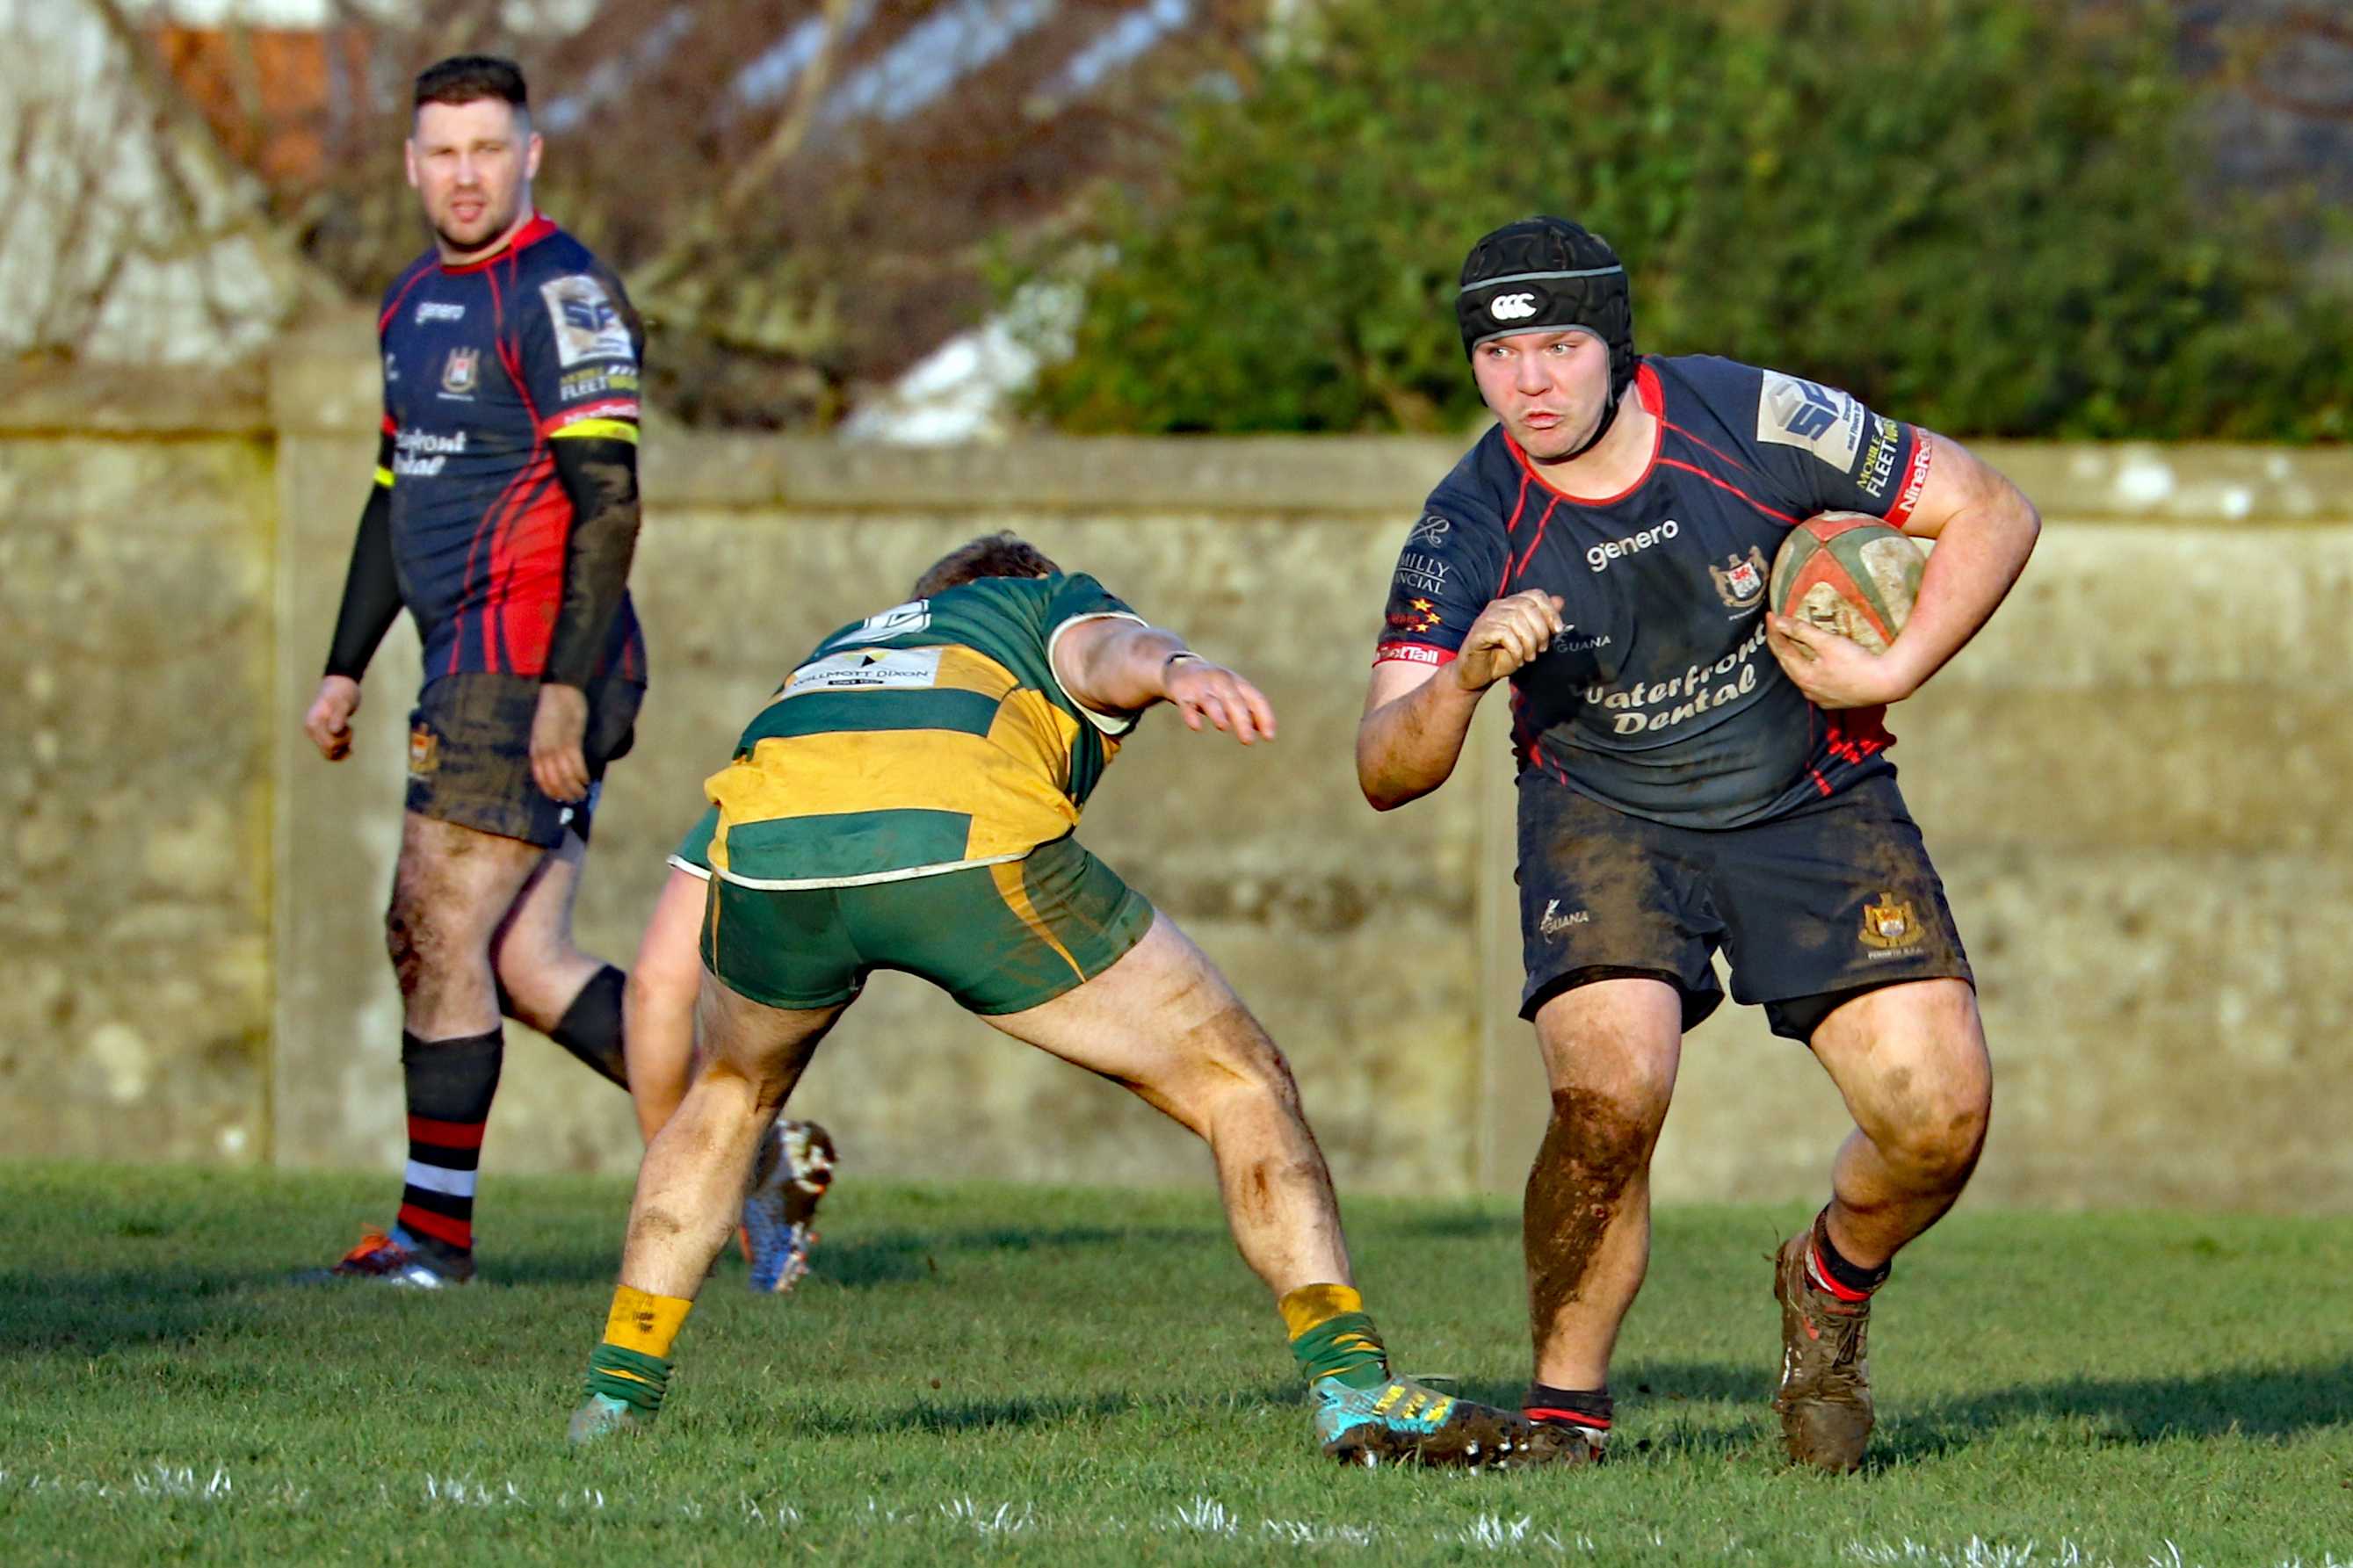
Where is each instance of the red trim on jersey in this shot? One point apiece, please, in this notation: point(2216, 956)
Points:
point(389, 427)
point(1695, 441)
point(1530, 553)
point(1868, 738)
point(611, 408)
point(1915, 479)
point(538, 227)
point(384, 320)
point(1412, 653)
point(1654, 399)
point(446, 1134)
point(1735, 489)
point(530, 552)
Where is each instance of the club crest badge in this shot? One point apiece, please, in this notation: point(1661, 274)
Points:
point(1740, 580)
point(1889, 923)
point(461, 371)
point(424, 752)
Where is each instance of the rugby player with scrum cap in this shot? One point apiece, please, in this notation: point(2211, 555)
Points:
point(1696, 773)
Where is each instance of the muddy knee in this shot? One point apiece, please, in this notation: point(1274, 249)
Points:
point(1937, 1146)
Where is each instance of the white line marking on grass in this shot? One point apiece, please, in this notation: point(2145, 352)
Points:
point(1494, 1532)
point(1004, 1521)
point(1203, 1516)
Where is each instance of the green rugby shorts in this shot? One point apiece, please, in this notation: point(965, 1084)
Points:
point(999, 939)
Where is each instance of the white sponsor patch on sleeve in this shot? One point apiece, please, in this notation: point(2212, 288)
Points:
point(868, 669)
point(588, 325)
point(1794, 411)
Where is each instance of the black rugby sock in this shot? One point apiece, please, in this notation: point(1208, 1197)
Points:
point(450, 1083)
point(1828, 1271)
point(1588, 1409)
point(591, 1028)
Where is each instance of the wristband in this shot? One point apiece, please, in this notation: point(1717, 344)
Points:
point(1171, 661)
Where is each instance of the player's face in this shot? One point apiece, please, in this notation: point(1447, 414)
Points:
point(1549, 388)
point(471, 165)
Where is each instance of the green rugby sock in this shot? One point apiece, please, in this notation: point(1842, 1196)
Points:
point(1332, 1336)
point(631, 1376)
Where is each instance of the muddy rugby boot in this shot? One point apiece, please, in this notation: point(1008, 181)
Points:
point(791, 1177)
point(1401, 1421)
point(1825, 1394)
point(395, 1259)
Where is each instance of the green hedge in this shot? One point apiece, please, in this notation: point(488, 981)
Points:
point(1976, 214)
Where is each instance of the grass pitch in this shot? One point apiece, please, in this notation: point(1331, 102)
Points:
point(1033, 1376)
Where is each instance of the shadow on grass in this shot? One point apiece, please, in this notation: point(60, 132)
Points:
point(2263, 1402)
point(2266, 1402)
point(953, 1416)
point(89, 1313)
point(871, 1257)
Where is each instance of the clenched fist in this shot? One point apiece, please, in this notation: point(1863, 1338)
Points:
point(1509, 633)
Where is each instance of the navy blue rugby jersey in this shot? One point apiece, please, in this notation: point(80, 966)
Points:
point(1661, 699)
point(484, 365)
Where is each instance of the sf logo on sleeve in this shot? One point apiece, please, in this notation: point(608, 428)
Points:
point(589, 326)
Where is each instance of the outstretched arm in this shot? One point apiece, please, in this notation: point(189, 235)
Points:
point(1117, 666)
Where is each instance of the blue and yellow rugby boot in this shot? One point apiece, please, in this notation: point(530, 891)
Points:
point(1399, 1421)
point(790, 1177)
point(1366, 1414)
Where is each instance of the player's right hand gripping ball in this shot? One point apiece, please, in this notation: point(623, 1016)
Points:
point(1848, 573)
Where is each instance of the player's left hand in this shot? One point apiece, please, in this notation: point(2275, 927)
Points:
point(558, 764)
point(1831, 670)
point(1201, 690)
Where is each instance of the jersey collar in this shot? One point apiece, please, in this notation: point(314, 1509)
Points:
point(1654, 402)
point(540, 226)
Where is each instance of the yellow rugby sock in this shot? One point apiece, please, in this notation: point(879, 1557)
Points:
point(1313, 1305)
point(1332, 1336)
point(643, 1322)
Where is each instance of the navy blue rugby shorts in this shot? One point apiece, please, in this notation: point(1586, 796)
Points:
point(469, 755)
point(1811, 908)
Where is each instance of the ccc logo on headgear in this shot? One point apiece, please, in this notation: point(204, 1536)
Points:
point(1512, 307)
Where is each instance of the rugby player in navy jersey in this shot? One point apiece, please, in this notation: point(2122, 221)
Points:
point(504, 517)
point(1695, 775)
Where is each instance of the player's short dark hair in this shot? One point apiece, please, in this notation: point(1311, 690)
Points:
point(1000, 555)
point(470, 79)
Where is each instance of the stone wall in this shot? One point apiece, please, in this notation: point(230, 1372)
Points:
point(135, 689)
point(2130, 783)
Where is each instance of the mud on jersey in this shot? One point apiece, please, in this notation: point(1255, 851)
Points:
point(1660, 697)
point(484, 365)
point(930, 736)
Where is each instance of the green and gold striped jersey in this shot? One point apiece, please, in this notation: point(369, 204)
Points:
point(932, 736)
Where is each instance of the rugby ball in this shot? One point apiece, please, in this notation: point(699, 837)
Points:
point(1848, 572)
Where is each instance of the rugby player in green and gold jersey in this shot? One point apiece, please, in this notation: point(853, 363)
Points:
point(907, 801)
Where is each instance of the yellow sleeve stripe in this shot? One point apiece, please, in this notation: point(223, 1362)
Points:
point(609, 429)
point(384, 477)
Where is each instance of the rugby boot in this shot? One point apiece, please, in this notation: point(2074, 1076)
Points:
point(1825, 1394)
point(397, 1260)
point(1399, 1421)
point(604, 1416)
point(790, 1177)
